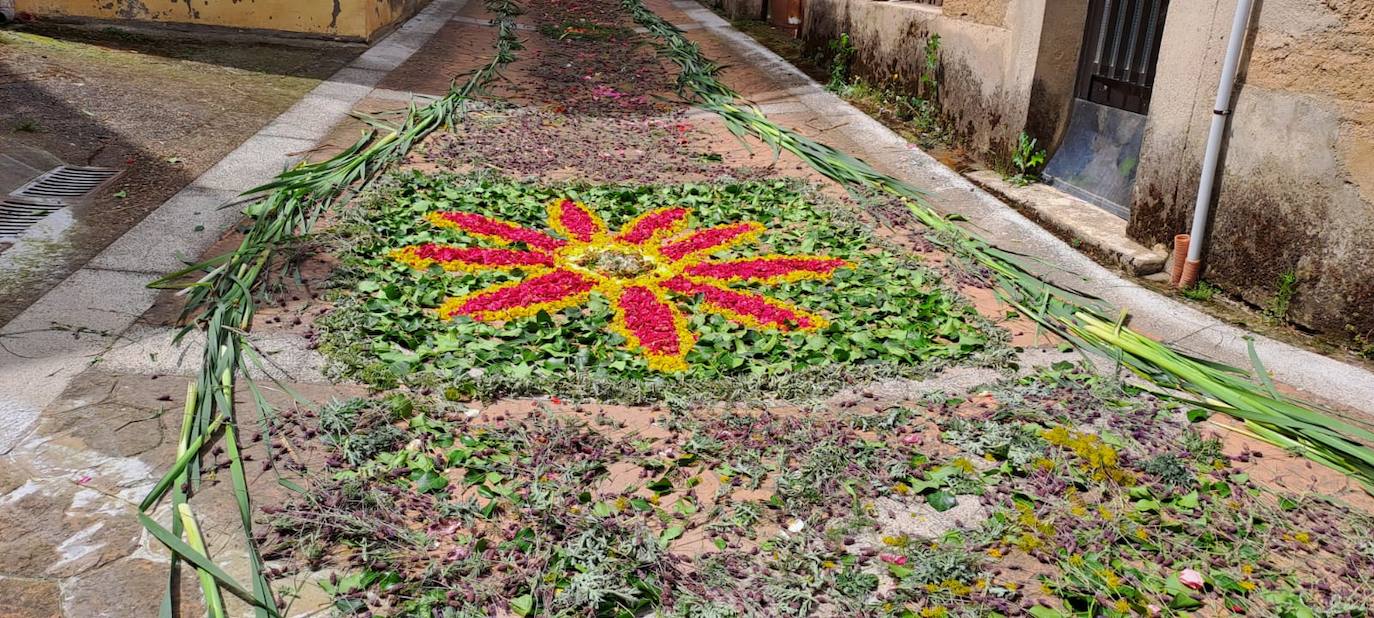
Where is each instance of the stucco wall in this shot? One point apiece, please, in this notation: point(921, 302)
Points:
point(987, 56)
point(357, 19)
point(1056, 71)
point(1298, 187)
point(741, 9)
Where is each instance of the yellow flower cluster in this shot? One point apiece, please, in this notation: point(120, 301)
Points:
point(1034, 530)
point(1096, 457)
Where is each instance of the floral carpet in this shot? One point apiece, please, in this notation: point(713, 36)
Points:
point(623, 365)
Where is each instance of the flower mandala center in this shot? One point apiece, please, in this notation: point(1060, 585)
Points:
point(643, 270)
point(615, 263)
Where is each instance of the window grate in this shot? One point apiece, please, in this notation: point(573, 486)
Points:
point(1121, 51)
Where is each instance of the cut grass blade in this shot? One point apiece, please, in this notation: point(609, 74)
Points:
point(201, 561)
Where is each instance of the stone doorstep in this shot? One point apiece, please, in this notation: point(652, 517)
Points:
point(1102, 235)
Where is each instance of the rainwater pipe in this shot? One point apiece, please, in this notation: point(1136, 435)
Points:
point(1197, 240)
point(6, 11)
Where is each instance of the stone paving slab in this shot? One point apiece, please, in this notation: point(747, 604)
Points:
point(30, 597)
point(97, 304)
point(256, 161)
point(148, 350)
point(184, 227)
point(69, 495)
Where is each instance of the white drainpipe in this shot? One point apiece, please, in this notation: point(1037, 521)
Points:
point(1197, 246)
point(6, 11)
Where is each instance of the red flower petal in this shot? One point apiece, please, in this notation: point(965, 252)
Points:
point(547, 292)
point(573, 220)
point(653, 325)
point(768, 269)
point(494, 229)
point(711, 239)
point(469, 258)
point(746, 308)
point(653, 223)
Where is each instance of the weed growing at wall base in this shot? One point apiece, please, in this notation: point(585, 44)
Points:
point(1027, 161)
point(1276, 310)
point(841, 54)
point(1201, 291)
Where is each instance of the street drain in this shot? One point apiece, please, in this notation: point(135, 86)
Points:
point(67, 182)
point(18, 214)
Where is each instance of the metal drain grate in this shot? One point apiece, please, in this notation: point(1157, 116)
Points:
point(67, 183)
point(18, 214)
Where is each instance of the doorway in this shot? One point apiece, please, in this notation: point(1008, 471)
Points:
point(1098, 157)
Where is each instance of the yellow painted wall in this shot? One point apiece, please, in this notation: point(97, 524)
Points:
point(359, 19)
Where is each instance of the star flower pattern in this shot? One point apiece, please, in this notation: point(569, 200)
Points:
point(642, 269)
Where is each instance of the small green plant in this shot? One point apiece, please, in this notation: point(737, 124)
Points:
point(1027, 160)
point(27, 125)
point(1171, 470)
point(841, 54)
point(1201, 291)
point(1363, 342)
point(1276, 310)
point(930, 85)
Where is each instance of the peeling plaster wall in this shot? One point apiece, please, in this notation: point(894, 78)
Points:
point(356, 19)
point(988, 51)
point(1297, 192)
point(989, 12)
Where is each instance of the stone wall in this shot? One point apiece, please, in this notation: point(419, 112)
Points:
point(988, 51)
point(1297, 191)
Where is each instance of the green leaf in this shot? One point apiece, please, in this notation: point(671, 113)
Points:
point(660, 486)
point(669, 535)
point(942, 501)
point(522, 605)
point(430, 481)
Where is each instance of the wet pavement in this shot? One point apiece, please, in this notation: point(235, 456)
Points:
point(160, 109)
